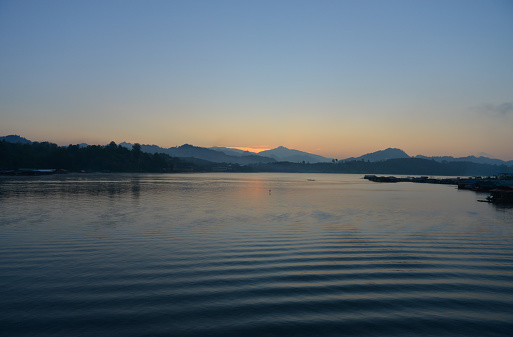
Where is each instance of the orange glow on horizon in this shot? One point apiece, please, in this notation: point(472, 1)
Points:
point(250, 149)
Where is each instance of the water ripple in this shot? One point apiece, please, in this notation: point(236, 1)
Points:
point(216, 255)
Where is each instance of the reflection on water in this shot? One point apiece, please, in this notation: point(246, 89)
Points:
point(218, 254)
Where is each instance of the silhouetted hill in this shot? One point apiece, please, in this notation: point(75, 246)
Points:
point(281, 153)
point(390, 153)
point(16, 139)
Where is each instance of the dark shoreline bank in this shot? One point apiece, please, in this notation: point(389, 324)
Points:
point(500, 186)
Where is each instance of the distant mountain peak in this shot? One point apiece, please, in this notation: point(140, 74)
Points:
point(392, 149)
point(281, 153)
point(389, 153)
point(187, 146)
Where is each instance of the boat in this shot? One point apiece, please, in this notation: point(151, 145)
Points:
point(501, 195)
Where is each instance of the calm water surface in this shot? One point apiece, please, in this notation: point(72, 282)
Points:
point(251, 255)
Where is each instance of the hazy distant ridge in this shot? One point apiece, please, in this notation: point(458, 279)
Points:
point(472, 159)
point(233, 152)
point(393, 153)
point(381, 155)
point(281, 154)
point(190, 151)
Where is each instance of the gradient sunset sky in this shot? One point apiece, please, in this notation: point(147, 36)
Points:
point(335, 78)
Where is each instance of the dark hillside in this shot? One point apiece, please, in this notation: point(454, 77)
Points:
point(114, 158)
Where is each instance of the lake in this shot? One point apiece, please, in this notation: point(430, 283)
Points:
point(243, 254)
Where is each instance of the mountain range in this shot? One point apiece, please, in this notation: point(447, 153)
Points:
point(279, 154)
point(190, 151)
point(392, 153)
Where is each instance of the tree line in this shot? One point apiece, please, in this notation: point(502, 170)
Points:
point(399, 166)
point(112, 157)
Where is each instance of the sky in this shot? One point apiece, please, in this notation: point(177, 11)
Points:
point(334, 78)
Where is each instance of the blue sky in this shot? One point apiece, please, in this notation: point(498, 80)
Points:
point(336, 78)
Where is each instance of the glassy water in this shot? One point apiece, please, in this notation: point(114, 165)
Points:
point(251, 255)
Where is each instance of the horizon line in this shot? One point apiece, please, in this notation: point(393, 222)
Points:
point(262, 148)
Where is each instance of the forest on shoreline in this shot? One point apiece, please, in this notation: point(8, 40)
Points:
point(116, 158)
